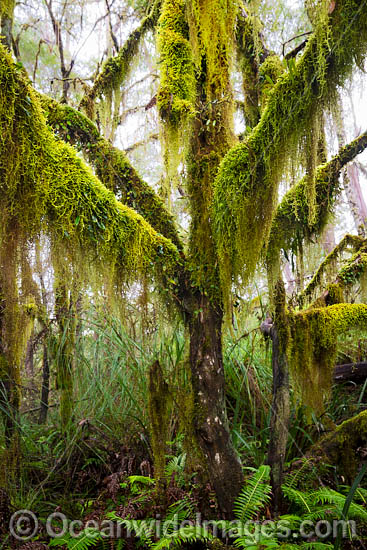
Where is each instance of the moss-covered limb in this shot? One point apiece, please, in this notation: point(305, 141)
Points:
point(290, 224)
point(349, 241)
point(258, 71)
point(116, 69)
point(112, 166)
point(45, 185)
point(6, 18)
point(313, 346)
point(247, 182)
point(176, 95)
point(343, 447)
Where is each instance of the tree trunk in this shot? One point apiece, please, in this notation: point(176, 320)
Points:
point(45, 391)
point(224, 467)
point(280, 413)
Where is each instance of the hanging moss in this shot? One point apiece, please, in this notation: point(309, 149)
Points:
point(211, 37)
point(176, 94)
point(352, 241)
point(313, 347)
point(112, 166)
point(246, 186)
point(46, 186)
point(116, 69)
point(290, 225)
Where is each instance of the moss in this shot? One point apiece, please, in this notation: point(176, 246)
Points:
point(116, 69)
point(269, 73)
point(7, 8)
point(291, 223)
point(313, 346)
point(176, 94)
point(159, 414)
point(246, 186)
point(45, 185)
point(112, 166)
point(343, 448)
point(352, 241)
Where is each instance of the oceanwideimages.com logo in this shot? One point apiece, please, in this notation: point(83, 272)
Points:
point(25, 525)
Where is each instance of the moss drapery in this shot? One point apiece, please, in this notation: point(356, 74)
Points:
point(246, 185)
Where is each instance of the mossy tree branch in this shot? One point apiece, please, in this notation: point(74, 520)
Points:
point(112, 166)
point(349, 241)
point(252, 56)
point(116, 69)
point(46, 186)
point(291, 221)
point(247, 182)
point(347, 276)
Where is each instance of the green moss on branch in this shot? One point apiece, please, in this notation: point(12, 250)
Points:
point(291, 223)
point(46, 186)
point(246, 186)
point(112, 166)
point(116, 69)
point(313, 346)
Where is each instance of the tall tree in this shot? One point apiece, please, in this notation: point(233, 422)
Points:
point(232, 185)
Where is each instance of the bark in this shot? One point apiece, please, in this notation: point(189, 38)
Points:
point(224, 467)
point(6, 30)
point(45, 391)
point(280, 410)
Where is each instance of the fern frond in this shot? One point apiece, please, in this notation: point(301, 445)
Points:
point(302, 499)
point(325, 495)
point(254, 495)
point(176, 465)
point(143, 480)
point(181, 510)
point(185, 535)
point(86, 539)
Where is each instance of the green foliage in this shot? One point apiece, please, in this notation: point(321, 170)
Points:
point(87, 538)
point(254, 496)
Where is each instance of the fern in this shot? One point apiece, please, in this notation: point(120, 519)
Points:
point(176, 465)
point(181, 510)
point(185, 535)
point(143, 480)
point(83, 541)
point(300, 498)
point(254, 495)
